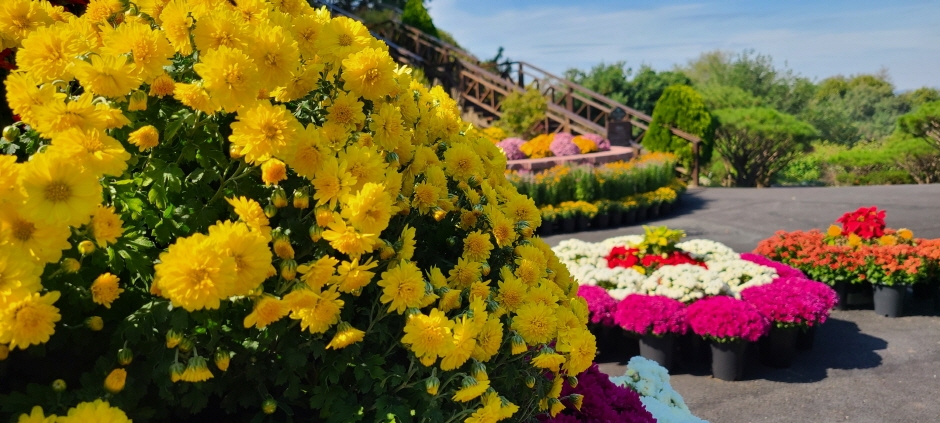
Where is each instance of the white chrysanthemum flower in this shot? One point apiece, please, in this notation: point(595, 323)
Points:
point(708, 250)
point(742, 274)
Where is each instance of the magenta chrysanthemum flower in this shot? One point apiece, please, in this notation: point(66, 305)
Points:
point(651, 314)
point(600, 304)
point(821, 296)
point(510, 147)
point(726, 318)
point(603, 402)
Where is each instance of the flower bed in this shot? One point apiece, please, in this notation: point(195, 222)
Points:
point(548, 145)
point(213, 212)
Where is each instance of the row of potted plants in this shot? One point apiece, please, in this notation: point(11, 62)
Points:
point(699, 287)
point(858, 253)
point(610, 181)
point(549, 145)
point(578, 216)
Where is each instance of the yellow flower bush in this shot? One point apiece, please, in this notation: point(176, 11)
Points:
point(260, 204)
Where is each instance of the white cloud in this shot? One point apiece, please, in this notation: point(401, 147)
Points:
point(814, 44)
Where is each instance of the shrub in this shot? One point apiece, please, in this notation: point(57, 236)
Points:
point(203, 254)
point(416, 15)
point(681, 107)
point(521, 112)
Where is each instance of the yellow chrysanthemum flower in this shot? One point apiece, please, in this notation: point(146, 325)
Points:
point(317, 311)
point(19, 275)
point(24, 95)
point(465, 342)
point(48, 52)
point(503, 229)
point(268, 309)
point(276, 55)
point(318, 273)
point(302, 81)
point(195, 273)
point(304, 155)
point(464, 274)
point(58, 190)
point(477, 246)
point(370, 209)
point(250, 212)
point(352, 276)
point(105, 289)
point(512, 291)
point(148, 48)
point(581, 348)
point(36, 416)
point(264, 130)
point(115, 381)
point(250, 251)
point(231, 78)
point(550, 361)
point(461, 162)
point(341, 37)
point(100, 11)
point(468, 393)
point(426, 197)
point(18, 18)
point(96, 411)
point(222, 28)
point(273, 171)
point(29, 321)
point(195, 97)
point(429, 336)
point(176, 24)
point(369, 73)
point(197, 370)
point(407, 249)
point(345, 336)
point(306, 29)
point(145, 137)
point(348, 240)
point(365, 164)
point(536, 324)
point(346, 110)
point(403, 286)
point(488, 340)
point(58, 115)
point(331, 182)
point(387, 126)
point(107, 75)
point(94, 149)
point(161, 86)
point(43, 242)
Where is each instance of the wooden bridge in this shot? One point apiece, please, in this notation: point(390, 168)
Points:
point(482, 86)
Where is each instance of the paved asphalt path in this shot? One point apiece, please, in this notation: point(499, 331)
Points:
point(863, 368)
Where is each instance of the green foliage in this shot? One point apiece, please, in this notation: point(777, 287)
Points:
point(756, 143)
point(861, 108)
point(727, 96)
point(923, 123)
point(521, 112)
point(681, 107)
point(640, 92)
point(416, 15)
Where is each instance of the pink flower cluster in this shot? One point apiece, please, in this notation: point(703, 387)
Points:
point(600, 304)
point(651, 314)
point(603, 144)
point(783, 270)
point(510, 147)
point(726, 318)
point(782, 304)
point(821, 296)
point(603, 402)
point(563, 146)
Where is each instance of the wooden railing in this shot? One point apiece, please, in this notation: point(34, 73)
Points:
point(482, 86)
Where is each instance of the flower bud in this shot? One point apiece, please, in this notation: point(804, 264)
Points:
point(386, 252)
point(316, 233)
point(301, 199)
point(289, 270)
point(114, 383)
point(173, 338)
point(269, 406)
point(324, 217)
point(279, 197)
point(222, 359)
point(235, 152)
point(86, 247)
point(125, 356)
point(11, 133)
point(94, 323)
point(270, 211)
point(186, 345)
point(272, 172)
point(176, 372)
point(518, 344)
point(59, 385)
point(577, 400)
point(478, 371)
point(70, 265)
point(431, 385)
point(485, 268)
point(282, 247)
point(138, 101)
point(439, 215)
point(572, 381)
point(530, 381)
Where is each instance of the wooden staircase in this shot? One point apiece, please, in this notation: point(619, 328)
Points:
point(480, 87)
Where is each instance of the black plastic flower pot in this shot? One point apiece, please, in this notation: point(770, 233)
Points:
point(806, 339)
point(655, 211)
point(629, 217)
point(658, 348)
point(582, 223)
point(567, 225)
point(547, 228)
point(616, 218)
point(842, 290)
point(601, 221)
point(641, 213)
point(693, 352)
point(778, 348)
point(922, 291)
point(889, 300)
point(728, 360)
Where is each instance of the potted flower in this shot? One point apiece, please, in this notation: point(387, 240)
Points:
point(823, 298)
point(729, 324)
point(602, 218)
point(549, 214)
point(565, 214)
point(790, 311)
point(657, 320)
point(891, 269)
point(630, 209)
point(616, 213)
point(643, 206)
point(601, 308)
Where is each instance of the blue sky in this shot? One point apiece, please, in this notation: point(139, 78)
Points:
point(816, 39)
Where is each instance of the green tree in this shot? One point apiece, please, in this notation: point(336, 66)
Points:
point(920, 96)
point(416, 15)
point(680, 107)
point(521, 112)
point(756, 143)
point(861, 108)
point(640, 90)
point(923, 123)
